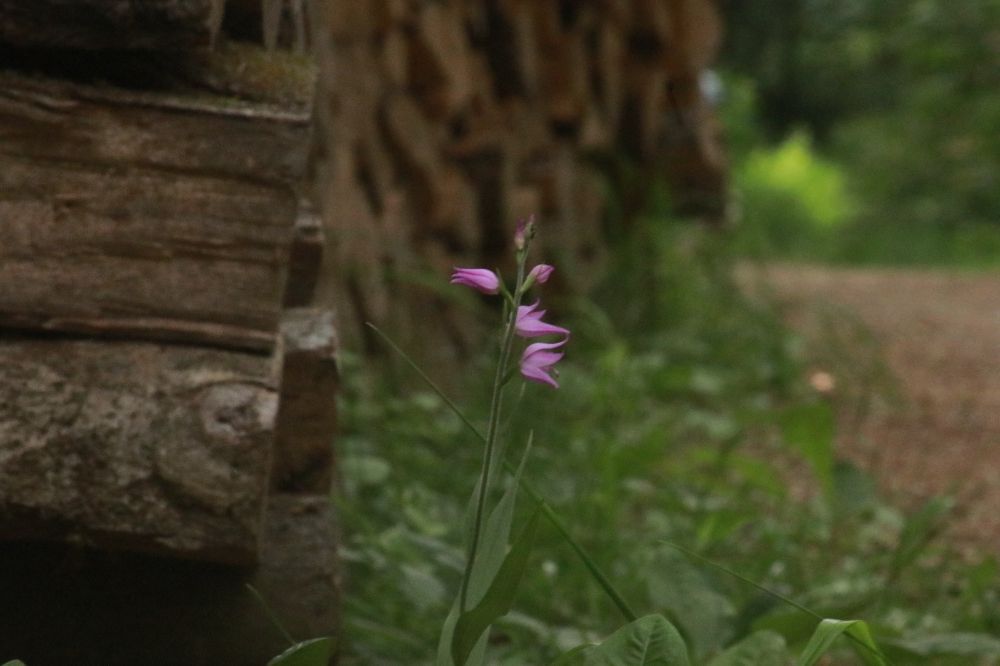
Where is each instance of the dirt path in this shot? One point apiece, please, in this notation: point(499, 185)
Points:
point(939, 335)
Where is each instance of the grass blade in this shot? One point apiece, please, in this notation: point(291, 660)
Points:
point(314, 652)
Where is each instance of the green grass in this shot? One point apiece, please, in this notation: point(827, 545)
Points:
point(682, 416)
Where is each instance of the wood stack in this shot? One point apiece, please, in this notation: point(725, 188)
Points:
point(167, 402)
point(445, 121)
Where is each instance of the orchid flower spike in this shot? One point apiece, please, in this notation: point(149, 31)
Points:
point(529, 324)
point(480, 279)
point(538, 360)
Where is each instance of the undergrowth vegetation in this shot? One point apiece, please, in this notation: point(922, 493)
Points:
point(901, 100)
point(683, 418)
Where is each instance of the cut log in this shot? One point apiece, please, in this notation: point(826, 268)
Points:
point(145, 216)
point(412, 136)
point(352, 21)
point(492, 168)
point(109, 24)
point(652, 22)
point(642, 126)
point(66, 605)
point(305, 259)
point(512, 48)
point(565, 81)
point(696, 36)
point(395, 58)
point(353, 274)
point(135, 446)
point(502, 105)
point(307, 413)
point(439, 61)
point(611, 65)
point(453, 210)
point(391, 13)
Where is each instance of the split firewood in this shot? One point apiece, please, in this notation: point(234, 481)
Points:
point(144, 447)
point(307, 412)
point(305, 258)
point(189, 239)
point(109, 24)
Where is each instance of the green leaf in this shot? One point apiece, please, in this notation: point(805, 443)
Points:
point(762, 648)
point(444, 657)
point(798, 624)
point(854, 489)
point(592, 567)
point(16, 662)
point(574, 656)
point(649, 641)
point(828, 630)
point(499, 598)
point(684, 594)
point(948, 645)
point(496, 534)
point(809, 429)
point(314, 652)
point(919, 529)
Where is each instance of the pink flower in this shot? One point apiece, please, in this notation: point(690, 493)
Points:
point(480, 279)
point(529, 323)
point(537, 361)
point(539, 274)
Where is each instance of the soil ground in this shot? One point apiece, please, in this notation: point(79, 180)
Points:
point(911, 359)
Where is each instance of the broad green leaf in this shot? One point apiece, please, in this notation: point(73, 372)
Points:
point(809, 429)
point(947, 645)
point(762, 648)
point(794, 625)
point(649, 641)
point(828, 630)
point(499, 598)
point(314, 652)
point(684, 594)
point(574, 656)
point(16, 662)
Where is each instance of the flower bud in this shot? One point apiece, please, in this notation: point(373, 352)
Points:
point(525, 231)
point(480, 279)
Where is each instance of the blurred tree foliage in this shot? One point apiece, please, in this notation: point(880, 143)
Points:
point(903, 94)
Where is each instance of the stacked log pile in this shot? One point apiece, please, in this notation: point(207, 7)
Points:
point(167, 401)
point(447, 120)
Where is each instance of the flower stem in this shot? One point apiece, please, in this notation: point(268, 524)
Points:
point(491, 432)
point(595, 570)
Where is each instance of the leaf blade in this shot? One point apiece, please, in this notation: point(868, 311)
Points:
point(498, 599)
point(313, 652)
point(829, 629)
point(649, 641)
